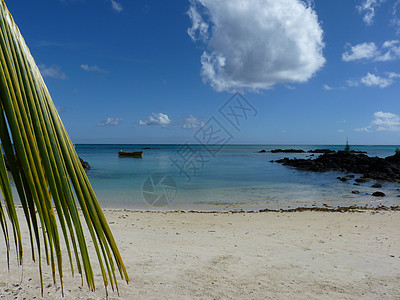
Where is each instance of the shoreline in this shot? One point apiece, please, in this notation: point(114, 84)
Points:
point(231, 255)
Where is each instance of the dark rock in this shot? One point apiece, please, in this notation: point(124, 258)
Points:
point(378, 194)
point(355, 192)
point(356, 183)
point(287, 151)
point(377, 185)
point(84, 164)
point(357, 152)
point(146, 148)
point(321, 151)
point(385, 169)
point(344, 179)
point(262, 151)
point(350, 176)
point(362, 180)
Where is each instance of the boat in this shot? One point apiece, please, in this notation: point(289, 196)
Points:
point(136, 154)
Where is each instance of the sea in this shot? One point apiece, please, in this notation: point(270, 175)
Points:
point(223, 177)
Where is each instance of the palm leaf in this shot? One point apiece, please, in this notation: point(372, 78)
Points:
point(46, 170)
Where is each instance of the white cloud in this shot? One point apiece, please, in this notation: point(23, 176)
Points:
point(54, 71)
point(257, 43)
point(192, 123)
point(374, 80)
point(198, 24)
point(340, 130)
point(360, 51)
point(110, 122)
point(93, 68)
point(364, 129)
point(390, 50)
point(352, 82)
point(327, 87)
point(159, 119)
point(116, 6)
point(395, 18)
point(367, 8)
point(383, 121)
point(386, 121)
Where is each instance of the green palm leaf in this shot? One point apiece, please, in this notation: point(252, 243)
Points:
point(46, 170)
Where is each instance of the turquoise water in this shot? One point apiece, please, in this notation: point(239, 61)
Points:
point(231, 177)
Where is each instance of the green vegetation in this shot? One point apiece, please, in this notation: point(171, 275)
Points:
point(397, 151)
point(46, 171)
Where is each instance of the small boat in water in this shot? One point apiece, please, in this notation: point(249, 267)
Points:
point(136, 154)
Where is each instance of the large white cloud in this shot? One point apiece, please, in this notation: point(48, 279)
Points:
point(159, 119)
point(256, 44)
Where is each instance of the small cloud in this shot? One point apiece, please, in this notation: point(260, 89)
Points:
point(386, 121)
point(352, 82)
point(159, 119)
point(342, 121)
point(374, 80)
point(367, 9)
point(192, 123)
point(54, 72)
point(364, 129)
point(93, 68)
point(383, 121)
point(110, 122)
point(340, 130)
point(360, 51)
point(284, 131)
point(327, 87)
point(116, 6)
point(389, 51)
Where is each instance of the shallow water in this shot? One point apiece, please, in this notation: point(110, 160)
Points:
point(233, 177)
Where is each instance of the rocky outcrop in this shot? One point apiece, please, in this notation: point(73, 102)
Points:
point(287, 151)
point(386, 169)
point(321, 151)
point(378, 194)
point(84, 164)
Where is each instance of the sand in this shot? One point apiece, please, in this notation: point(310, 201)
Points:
point(298, 255)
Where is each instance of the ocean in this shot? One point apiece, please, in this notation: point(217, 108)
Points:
point(230, 177)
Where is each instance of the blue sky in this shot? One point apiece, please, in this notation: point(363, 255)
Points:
point(122, 71)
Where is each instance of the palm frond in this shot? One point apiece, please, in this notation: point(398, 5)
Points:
point(46, 170)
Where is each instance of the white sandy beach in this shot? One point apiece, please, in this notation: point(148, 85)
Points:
point(175, 255)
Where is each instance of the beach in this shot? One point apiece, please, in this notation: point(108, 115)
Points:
point(225, 255)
